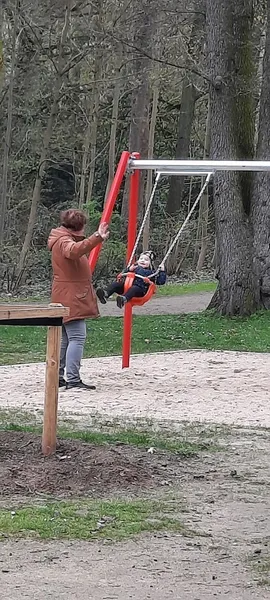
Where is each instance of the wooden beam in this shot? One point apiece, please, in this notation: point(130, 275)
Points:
point(21, 312)
point(31, 311)
point(51, 391)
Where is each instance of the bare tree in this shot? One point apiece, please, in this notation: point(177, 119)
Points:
point(59, 76)
point(144, 24)
point(4, 184)
point(189, 96)
point(149, 180)
point(114, 118)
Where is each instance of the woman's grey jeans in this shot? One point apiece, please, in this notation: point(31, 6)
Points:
point(72, 345)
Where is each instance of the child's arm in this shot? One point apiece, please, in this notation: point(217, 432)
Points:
point(162, 275)
point(129, 269)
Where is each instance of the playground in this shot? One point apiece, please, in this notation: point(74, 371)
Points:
point(216, 401)
point(157, 486)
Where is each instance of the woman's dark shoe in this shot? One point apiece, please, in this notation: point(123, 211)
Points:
point(101, 294)
point(79, 385)
point(62, 382)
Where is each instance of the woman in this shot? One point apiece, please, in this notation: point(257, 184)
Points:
point(72, 287)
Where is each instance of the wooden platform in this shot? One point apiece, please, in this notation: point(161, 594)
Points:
point(37, 315)
point(31, 312)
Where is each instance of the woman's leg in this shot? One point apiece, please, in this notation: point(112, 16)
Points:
point(63, 352)
point(76, 334)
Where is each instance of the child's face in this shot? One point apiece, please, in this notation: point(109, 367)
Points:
point(144, 261)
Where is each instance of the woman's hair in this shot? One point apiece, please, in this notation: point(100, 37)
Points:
point(73, 219)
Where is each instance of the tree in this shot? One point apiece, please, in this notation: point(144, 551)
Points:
point(144, 26)
point(58, 81)
point(3, 197)
point(230, 67)
point(261, 185)
point(189, 96)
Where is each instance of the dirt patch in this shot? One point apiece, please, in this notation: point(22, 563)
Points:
point(80, 468)
point(227, 504)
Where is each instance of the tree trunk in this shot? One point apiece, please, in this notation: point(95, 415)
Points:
point(260, 193)
point(92, 108)
point(236, 294)
point(187, 108)
point(94, 128)
point(114, 121)
point(3, 199)
point(45, 147)
point(144, 24)
point(186, 116)
point(149, 180)
point(203, 212)
point(1, 45)
point(86, 146)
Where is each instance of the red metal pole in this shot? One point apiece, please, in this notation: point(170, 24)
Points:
point(110, 202)
point(132, 230)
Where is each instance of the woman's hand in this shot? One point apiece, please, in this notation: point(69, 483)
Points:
point(103, 231)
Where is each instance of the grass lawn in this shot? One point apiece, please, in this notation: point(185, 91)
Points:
point(180, 289)
point(90, 519)
point(132, 437)
point(150, 334)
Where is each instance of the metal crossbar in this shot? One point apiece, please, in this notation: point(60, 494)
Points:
point(182, 173)
point(206, 166)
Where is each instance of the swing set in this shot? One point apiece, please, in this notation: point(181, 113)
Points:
point(133, 165)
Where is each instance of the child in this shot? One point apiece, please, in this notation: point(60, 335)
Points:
point(142, 267)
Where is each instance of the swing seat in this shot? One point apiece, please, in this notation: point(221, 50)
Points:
point(129, 279)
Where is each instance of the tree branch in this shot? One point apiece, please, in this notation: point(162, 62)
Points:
point(160, 60)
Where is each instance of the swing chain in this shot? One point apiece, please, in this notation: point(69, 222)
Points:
point(144, 220)
point(176, 238)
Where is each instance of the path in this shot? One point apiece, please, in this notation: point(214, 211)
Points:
point(163, 305)
point(158, 568)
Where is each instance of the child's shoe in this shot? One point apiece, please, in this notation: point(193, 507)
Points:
point(120, 301)
point(101, 294)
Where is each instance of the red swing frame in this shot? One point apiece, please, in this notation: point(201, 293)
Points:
point(132, 231)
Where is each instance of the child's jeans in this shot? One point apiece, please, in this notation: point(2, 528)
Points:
point(117, 287)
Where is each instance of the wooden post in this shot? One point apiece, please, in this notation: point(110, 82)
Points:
point(51, 390)
point(40, 315)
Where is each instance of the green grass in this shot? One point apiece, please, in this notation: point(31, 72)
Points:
point(150, 334)
point(180, 289)
point(131, 437)
point(260, 564)
point(86, 520)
